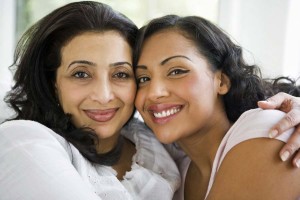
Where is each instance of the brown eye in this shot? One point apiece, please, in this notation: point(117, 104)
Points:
point(143, 79)
point(121, 75)
point(178, 71)
point(80, 74)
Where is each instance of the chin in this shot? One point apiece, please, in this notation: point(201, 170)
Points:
point(165, 139)
point(103, 134)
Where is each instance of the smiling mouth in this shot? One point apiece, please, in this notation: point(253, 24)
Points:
point(101, 115)
point(166, 113)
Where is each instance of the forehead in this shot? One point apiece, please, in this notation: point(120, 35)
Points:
point(167, 43)
point(92, 45)
point(172, 37)
point(83, 39)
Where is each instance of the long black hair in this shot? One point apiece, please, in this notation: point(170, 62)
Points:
point(246, 84)
point(283, 84)
point(37, 57)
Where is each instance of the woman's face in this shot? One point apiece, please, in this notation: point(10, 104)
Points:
point(95, 82)
point(177, 92)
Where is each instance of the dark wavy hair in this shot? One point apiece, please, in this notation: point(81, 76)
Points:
point(246, 84)
point(283, 84)
point(37, 57)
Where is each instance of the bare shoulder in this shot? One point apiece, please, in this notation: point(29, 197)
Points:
point(253, 170)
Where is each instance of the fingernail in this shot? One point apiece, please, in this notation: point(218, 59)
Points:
point(263, 101)
point(273, 133)
point(297, 163)
point(285, 156)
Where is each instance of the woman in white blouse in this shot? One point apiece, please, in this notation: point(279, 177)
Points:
point(73, 136)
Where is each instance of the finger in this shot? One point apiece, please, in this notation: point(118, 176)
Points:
point(291, 147)
point(290, 120)
point(274, 101)
point(266, 105)
point(296, 160)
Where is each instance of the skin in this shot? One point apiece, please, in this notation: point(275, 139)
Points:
point(95, 84)
point(168, 81)
point(172, 76)
point(291, 105)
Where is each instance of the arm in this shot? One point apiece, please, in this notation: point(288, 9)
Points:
point(252, 171)
point(290, 105)
point(34, 165)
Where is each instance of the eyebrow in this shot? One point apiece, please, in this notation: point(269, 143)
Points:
point(120, 63)
point(94, 64)
point(165, 61)
point(82, 62)
point(172, 57)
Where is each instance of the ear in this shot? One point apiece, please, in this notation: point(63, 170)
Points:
point(223, 83)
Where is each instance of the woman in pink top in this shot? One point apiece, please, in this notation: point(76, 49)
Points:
point(193, 86)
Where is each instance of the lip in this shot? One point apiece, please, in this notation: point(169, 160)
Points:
point(158, 108)
point(101, 115)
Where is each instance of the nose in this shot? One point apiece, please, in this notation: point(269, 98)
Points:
point(157, 89)
point(102, 91)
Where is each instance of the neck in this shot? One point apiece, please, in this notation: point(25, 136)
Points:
point(107, 144)
point(201, 147)
point(125, 161)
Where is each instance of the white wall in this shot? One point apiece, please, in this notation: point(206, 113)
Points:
point(7, 33)
point(292, 41)
point(265, 29)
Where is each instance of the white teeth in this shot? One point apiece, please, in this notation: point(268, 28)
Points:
point(166, 113)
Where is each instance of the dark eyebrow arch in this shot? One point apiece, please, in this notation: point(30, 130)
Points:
point(164, 61)
point(82, 62)
point(172, 57)
point(94, 64)
point(141, 67)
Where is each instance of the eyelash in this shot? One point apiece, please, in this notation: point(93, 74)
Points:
point(84, 75)
point(177, 72)
point(174, 72)
point(79, 74)
point(123, 75)
point(141, 78)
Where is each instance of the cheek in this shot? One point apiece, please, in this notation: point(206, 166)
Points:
point(202, 99)
point(191, 88)
point(198, 87)
point(69, 96)
point(139, 100)
point(128, 93)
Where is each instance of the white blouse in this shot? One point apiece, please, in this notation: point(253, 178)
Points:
point(36, 163)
